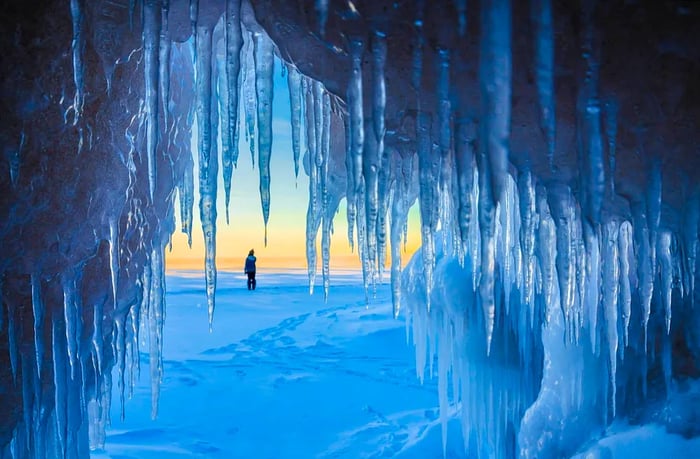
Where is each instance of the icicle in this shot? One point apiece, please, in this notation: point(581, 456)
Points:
point(328, 212)
point(322, 11)
point(593, 275)
point(12, 340)
point(114, 257)
point(611, 110)
point(563, 212)
point(156, 313)
point(487, 229)
point(294, 83)
point(645, 271)
point(264, 84)
point(611, 278)
point(208, 163)
point(71, 316)
point(312, 213)
point(120, 341)
point(350, 186)
point(234, 44)
point(666, 275)
point(398, 215)
point(151, 49)
point(495, 80)
point(654, 207)
point(60, 378)
point(378, 88)
point(383, 192)
point(626, 255)
point(528, 213)
point(546, 247)
point(250, 103)
point(544, 71)
point(77, 46)
point(444, 108)
point(690, 235)
point(226, 139)
point(38, 310)
point(370, 164)
point(593, 154)
point(164, 61)
point(355, 107)
point(428, 196)
point(464, 155)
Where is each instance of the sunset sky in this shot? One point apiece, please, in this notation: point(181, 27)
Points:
point(289, 199)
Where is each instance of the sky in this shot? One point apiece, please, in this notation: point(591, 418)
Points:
point(289, 200)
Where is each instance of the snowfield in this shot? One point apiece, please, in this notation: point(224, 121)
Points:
point(286, 375)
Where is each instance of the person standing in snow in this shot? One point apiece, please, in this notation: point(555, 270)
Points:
point(250, 269)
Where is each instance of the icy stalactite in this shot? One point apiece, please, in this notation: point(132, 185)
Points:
point(495, 83)
point(194, 17)
point(151, 50)
point(312, 213)
point(77, 46)
point(221, 104)
point(487, 230)
point(234, 44)
point(326, 207)
point(428, 181)
point(544, 71)
point(38, 309)
point(464, 162)
point(593, 277)
point(626, 251)
point(379, 51)
point(645, 270)
point(386, 163)
point(156, 318)
point(653, 201)
point(356, 112)
point(370, 164)
point(60, 381)
point(610, 296)
point(73, 323)
point(208, 162)
point(398, 216)
point(114, 257)
point(294, 83)
point(186, 195)
point(250, 97)
point(350, 199)
point(691, 217)
point(528, 228)
point(165, 46)
point(666, 275)
point(564, 215)
point(611, 110)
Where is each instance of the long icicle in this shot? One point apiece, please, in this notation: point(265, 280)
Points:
point(151, 50)
point(207, 161)
point(164, 61)
point(38, 309)
point(264, 71)
point(234, 44)
point(294, 83)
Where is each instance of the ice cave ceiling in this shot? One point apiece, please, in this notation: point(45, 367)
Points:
point(552, 147)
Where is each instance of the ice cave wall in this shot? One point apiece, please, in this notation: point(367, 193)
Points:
point(552, 147)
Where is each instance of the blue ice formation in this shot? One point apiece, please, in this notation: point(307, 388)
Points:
point(554, 291)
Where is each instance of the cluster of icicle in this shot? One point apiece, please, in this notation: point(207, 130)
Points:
point(506, 265)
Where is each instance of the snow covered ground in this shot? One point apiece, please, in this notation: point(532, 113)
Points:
point(285, 375)
point(282, 375)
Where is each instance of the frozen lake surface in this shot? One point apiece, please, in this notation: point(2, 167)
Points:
point(282, 375)
point(285, 375)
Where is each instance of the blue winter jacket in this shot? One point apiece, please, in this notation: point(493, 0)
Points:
point(250, 264)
